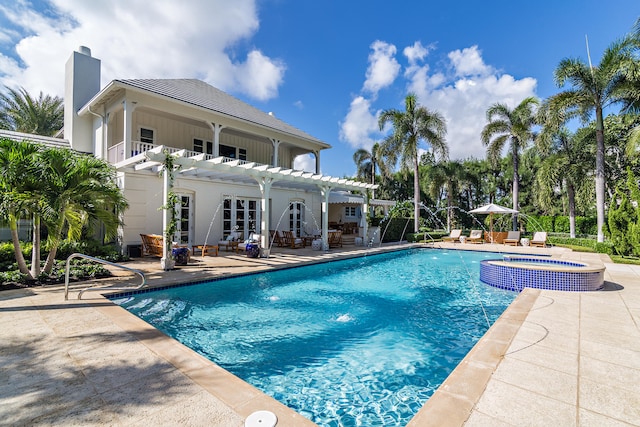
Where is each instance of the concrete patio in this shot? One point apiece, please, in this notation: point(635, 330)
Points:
point(553, 358)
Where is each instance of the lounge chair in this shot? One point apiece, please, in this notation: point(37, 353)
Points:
point(539, 239)
point(512, 239)
point(292, 241)
point(276, 238)
point(475, 237)
point(454, 236)
point(151, 245)
point(231, 242)
point(335, 239)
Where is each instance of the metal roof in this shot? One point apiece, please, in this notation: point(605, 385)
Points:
point(201, 94)
point(45, 140)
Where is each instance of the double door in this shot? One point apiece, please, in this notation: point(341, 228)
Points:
point(241, 215)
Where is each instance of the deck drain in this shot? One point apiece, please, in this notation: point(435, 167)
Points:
point(261, 419)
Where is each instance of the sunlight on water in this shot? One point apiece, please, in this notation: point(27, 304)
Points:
point(360, 342)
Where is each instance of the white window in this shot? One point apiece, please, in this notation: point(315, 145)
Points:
point(350, 211)
point(147, 135)
point(233, 152)
point(200, 146)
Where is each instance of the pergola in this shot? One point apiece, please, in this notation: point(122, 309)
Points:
point(240, 171)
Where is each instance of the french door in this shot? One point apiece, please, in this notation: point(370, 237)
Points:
point(296, 218)
point(241, 215)
point(184, 215)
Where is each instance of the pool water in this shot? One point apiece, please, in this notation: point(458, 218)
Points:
point(360, 342)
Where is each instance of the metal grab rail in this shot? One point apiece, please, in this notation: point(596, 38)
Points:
point(91, 288)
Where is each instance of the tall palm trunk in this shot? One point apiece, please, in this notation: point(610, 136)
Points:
point(600, 184)
point(373, 178)
point(516, 187)
point(571, 195)
point(451, 216)
point(22, 264)
point(55, 242)
point(35, 251)
point(416, 197)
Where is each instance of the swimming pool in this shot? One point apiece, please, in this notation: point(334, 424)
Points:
point(364, 341)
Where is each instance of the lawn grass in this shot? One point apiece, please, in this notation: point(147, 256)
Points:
point(619, 259)
point(576, 248)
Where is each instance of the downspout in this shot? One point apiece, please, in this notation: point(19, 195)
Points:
point(102, 122)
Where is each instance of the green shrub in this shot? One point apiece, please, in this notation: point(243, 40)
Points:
point(395, 229)
point(80, 270)
point(604, 247)
point(592, 244)
point(375, 221)
point(8, 255)
point(12, 276)
point(623, 217)
point(586, 225)
point(92, 248)
point(561, 224)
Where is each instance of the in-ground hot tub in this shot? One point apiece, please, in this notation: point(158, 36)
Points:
point(518, 272)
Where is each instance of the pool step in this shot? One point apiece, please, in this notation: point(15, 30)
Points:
point(349, 239)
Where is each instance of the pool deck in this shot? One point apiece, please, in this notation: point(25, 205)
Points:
point(553, 358)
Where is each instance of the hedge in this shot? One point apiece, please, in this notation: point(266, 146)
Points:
point(560, 224)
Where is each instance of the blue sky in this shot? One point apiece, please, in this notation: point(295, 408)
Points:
point(327, 67)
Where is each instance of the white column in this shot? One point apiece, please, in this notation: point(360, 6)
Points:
point(325, 190)
point(165, 261)
point(265, 188)
point(365, 211)
point(128, 121)
point(105, 136)
point(317, 154)
point(216, 128)
point(276, 146)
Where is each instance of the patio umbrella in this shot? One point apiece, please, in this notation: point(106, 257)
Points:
point(491, 209)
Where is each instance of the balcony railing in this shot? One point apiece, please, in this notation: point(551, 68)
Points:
point(115, 154)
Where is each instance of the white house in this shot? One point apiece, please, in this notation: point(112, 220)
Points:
point(235, 162)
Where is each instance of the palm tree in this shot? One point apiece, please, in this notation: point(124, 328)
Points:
point(410, 127)
point(20, 112)
point(512, 126)
point(81, 190)
point(447, 176)
point(367, 162)
point(593, 88)
point(18, 180)
point(565, 167)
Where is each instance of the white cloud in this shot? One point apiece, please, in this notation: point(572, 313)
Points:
point(359, 124)
point(260, 76)
point(417, 52)
point(464, 100)
point(383, 67)
point(461, 90)
point(141, 39)
point(468, 62)
point(305, 162)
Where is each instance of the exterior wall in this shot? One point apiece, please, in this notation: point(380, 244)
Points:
point(144, 193)
point(337, 213)
point(177, 133)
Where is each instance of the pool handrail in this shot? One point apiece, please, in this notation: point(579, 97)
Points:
point(95, 288)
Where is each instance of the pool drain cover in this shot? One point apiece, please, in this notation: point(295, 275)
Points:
point(261, 419)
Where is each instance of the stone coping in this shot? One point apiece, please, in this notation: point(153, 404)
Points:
point(455, 403)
